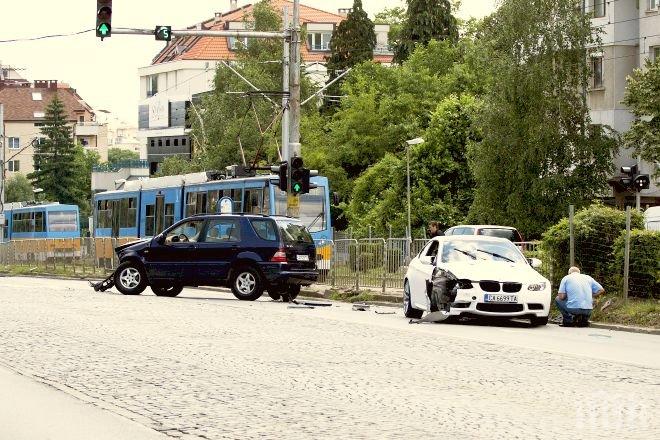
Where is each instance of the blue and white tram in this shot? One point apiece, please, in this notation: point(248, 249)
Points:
point(47, 220)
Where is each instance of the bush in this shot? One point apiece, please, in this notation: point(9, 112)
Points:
point(644, 270)
point(596, 228)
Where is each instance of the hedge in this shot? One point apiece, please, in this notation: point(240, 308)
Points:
point(644, 269)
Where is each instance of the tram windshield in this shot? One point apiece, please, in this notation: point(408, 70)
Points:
point(312, 208)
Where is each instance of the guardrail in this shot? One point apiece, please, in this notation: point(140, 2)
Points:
point(375, 263)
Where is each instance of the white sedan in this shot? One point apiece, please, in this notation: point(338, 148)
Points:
point(475, 276)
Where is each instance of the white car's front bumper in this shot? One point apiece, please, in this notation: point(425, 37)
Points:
point(529, 303)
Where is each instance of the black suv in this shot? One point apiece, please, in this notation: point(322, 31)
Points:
point(249, 253)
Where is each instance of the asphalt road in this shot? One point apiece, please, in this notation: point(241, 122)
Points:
point(205, 365)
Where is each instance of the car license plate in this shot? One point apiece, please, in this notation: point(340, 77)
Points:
point(302, 257)
point(500, 298)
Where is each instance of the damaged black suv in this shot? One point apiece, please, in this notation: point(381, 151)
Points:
point(249, 253)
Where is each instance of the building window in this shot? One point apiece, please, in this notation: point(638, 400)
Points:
point(183, 141)
point(81, 118)
point(598, 6)
point(39, 114)
point(152, 143)
point(13, 165)
point(160, 142)
point(152, 85)
point(653, 4)
point(598, 72)
point(84, 142)
point(238, 43)
point(656, 53)
point(14, 143)
point(176, 142)
point(167, 142)
point(36, 96)
point(319, 41)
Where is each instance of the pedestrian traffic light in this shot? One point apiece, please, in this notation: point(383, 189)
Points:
point(642, 181)
point(297, 175)
point(103, 18)
point(163, 33)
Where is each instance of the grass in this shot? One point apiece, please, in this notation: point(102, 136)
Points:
point(636, 311)
point(352, 296)
point(66, 271)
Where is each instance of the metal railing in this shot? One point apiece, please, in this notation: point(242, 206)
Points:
point(374, 263)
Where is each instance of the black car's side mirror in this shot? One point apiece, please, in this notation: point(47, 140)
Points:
point(175, 239)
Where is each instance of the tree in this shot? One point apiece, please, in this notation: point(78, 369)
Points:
point(59, 163)
point(18, 189)
point(441, 181)
point(643, 98)
point(540, 151)
point(426, 20)
point(353, 42)
point(116, 155)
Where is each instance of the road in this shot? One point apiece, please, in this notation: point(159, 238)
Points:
point(205, 365)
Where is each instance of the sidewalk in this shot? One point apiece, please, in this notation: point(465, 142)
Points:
point(30, 410)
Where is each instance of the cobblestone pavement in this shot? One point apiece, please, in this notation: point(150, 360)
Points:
point(207, 366)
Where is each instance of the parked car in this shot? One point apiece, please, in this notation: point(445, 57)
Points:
point(507, 232)
point(248, 253)
point(476, 276)
point(652, 218)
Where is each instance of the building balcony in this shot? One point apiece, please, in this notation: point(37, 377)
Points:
point(88, 128)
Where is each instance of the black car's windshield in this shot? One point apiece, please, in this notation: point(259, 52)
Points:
point(294, 232)
point(481, 249)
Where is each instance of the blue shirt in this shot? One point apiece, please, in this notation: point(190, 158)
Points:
point(579, 289)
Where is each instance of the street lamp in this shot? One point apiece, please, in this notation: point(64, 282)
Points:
point(409, 143)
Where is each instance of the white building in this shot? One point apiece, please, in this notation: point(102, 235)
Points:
point(631, 33)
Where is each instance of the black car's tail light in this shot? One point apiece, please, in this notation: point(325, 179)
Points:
point(279, 256)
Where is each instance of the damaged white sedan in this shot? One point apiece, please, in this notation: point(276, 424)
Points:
point(475, 276)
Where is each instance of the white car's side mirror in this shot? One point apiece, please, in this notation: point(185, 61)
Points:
point(534, 262)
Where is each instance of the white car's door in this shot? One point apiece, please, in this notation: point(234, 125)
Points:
point(421, 271)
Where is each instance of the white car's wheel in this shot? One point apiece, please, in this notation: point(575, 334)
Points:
point(408, 310)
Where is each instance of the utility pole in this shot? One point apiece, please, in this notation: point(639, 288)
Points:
point(285, 89)
point(2, 172)
point(293, 200)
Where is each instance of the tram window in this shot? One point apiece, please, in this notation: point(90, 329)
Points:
point(39, 221)
point(150, 220)
point(213, 197)
point(266, 200)
point(201, 203)
point(312, 208)
point(190, 204)
point(252, 202)
point(131, 220)
point(169, 215)
point(123, 213)
point(237, 197)
point(62, 221)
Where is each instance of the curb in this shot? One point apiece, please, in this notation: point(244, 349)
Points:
point(625, 328)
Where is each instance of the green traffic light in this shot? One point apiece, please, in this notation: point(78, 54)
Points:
point(297, 188)
point(103, 29)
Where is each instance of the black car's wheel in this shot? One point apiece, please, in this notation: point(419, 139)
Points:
point(291, 293)
point(246, 283)
point(130, 278)
point(168, 291)
point(274, 294)
point(539, 321)
point(408, 310)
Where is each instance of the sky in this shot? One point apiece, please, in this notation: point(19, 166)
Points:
point(105, 73)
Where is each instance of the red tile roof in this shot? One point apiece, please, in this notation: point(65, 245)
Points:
point(207, 48)
point(19, 105)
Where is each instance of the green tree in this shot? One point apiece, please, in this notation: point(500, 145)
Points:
point(116, 155)
point(540, 151)
point(353, 42)
point(441, 181)
point(59, 163)
point(426, 20)
point(18, 189)
point(643, 98)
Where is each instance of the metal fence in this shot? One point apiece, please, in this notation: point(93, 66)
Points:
point(374, 263)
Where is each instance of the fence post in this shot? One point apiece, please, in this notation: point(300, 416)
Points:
point(357, 265)
point(571, 212)
point(384, 265)
point(626, 256)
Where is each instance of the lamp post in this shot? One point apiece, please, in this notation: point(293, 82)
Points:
point(409, 143)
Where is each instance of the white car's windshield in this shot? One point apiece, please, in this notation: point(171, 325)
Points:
point(470, 250)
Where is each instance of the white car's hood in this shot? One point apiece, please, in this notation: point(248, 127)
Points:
point(494, 270)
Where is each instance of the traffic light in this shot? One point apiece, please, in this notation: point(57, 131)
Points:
point(633, 181)
point(281, 171)
point(103, 18)
point(642, 181)
point(163, 33)
point(297, 175)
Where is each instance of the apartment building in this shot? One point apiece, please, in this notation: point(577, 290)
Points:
point(186, 67)
point(630, 35)
point(24, 114)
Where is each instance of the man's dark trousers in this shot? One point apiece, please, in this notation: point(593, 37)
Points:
point(569, 314)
